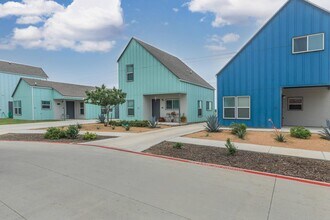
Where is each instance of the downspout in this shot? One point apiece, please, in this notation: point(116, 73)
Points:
point(32, 103)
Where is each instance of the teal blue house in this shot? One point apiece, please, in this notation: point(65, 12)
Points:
point(35, 99)
point(10, 74)
point(160, 85)
point(282, 74)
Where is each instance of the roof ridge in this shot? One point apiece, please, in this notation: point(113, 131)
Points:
point(178, 70)
point(24, 78)
point(11, 62)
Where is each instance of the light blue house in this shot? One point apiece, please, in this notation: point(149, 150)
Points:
point(282, 73)
point(35, 99)
point(10, 74)
point(161, 85)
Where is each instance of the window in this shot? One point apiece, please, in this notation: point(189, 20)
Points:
point(17, 107)
point(130, 72)
point(172, 104)
point(243, 107)
point(295, 104)
point(229, 108)
point(208, 106)
point(130, 107)
point(82, 108)
point(45, 105)
point(200, 108)
point(236, 107)
point(308, 43)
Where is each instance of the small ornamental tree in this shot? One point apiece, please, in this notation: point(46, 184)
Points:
point(106, 98)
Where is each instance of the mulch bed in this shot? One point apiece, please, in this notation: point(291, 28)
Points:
point(40, 137)
point(284, 165)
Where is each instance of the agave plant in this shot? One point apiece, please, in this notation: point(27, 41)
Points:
point(212, 124)
point(153, 122)
point(325, 133)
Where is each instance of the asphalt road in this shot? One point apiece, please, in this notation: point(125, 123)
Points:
point(57, 181)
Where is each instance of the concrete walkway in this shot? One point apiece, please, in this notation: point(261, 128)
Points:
point(257, 148)
point(17, 128)
point(57, 181)
point(142, 141)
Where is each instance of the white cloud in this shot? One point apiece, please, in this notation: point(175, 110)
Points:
point(83, 26)
point(218, 43)
point(29, 20)
point(175, 9)
point(230, 38)
point(29, 8)
point(228, 12)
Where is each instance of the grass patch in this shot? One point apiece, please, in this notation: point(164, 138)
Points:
point(10, 121)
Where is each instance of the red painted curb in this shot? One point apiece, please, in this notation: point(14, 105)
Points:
point(296, 179)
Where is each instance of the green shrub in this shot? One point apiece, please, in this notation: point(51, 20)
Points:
point(135, 123)
point(300, 132)
point(72, 132)
point(153, 122)
point(79, 126)
point(212, 124)
point(325, 133)
point(236, 127)
point(232, 150)
point(127, 127)
point(177, 146)
point(280, 137)
point(89, 136)
point(54, 133)
point(241, 133)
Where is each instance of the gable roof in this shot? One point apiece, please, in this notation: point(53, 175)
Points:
point(16, 68)
point(256, 34)
point(174, 65)
point(65, 89)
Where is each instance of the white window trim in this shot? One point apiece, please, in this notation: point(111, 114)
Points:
point(209, 105)
point(243, 107)
point(46, 109)
point(131, 108)
point(129, 73)
point(308, 51)
point(172, 104)
point(81, 108)
point(199, 108)
point(223, 107)
point(15, 107)
point(235, 107)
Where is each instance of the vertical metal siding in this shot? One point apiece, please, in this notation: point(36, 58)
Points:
point(8, 83)
point(267, 64)
point(151, 77)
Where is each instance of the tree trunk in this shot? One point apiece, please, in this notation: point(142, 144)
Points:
point(108, 116)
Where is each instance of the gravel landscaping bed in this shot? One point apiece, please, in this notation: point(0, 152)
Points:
point(284, 165)
point(40, 137)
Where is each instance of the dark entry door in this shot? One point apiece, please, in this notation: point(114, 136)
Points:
point(156, 108)
point(10, 110)
point(70, 110)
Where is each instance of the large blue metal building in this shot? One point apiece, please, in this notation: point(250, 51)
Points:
point(282, 73)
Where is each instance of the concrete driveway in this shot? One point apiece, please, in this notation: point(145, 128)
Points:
point(56, 181)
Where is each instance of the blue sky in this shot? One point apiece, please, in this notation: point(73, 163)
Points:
point(79, 41)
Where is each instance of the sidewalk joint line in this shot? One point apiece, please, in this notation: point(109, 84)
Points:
point(271, 200)
point(13, 210)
